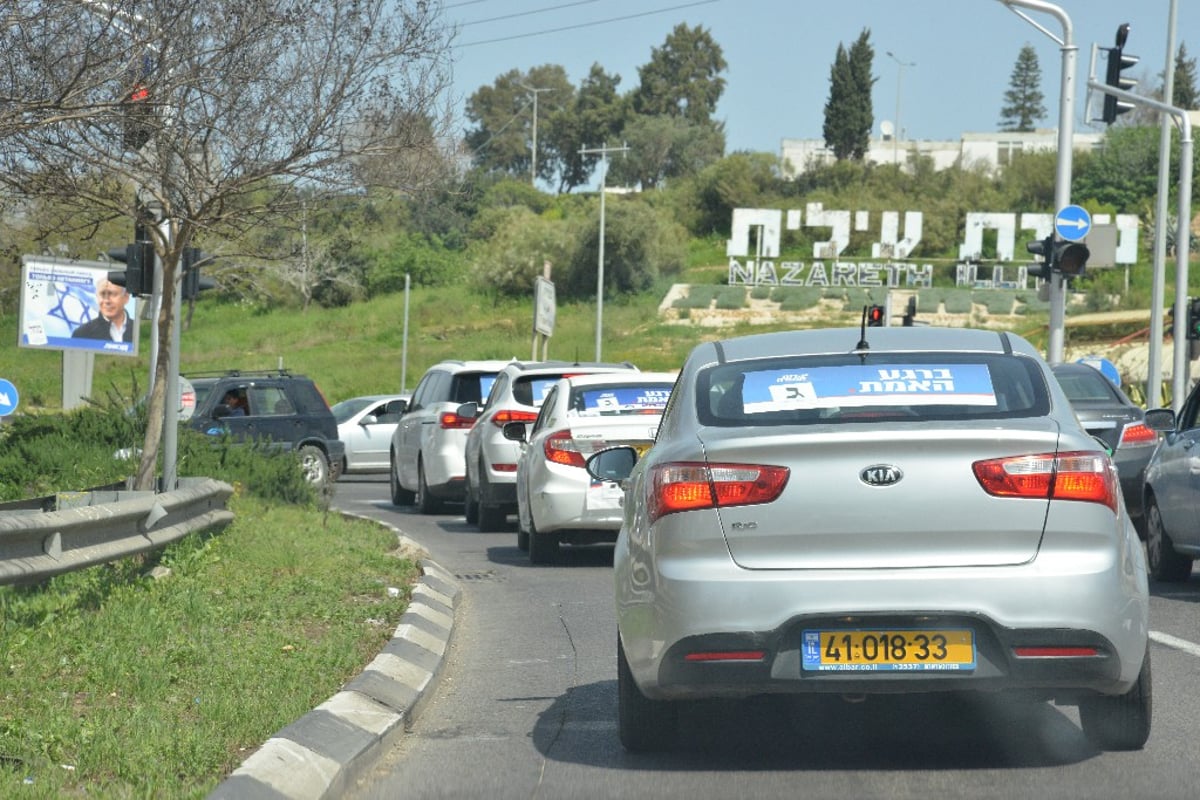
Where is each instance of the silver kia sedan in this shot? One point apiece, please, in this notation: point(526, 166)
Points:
point(863, 511)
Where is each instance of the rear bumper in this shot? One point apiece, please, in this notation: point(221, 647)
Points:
point(679, 606)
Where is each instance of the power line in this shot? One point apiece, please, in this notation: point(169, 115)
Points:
point(526, 13)
point(588, 24)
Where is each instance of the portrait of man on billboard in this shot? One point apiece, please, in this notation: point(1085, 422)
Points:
point(72, 305)
point(113, 322)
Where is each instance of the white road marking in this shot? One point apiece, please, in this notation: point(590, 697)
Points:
point(1179, 644)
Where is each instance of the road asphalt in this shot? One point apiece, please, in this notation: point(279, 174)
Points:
point(324, 752)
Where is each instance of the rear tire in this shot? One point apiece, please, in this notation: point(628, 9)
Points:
point(644, 725)
point(1163, 563)
point(315, 465)
point(400, 495)
point(543, 547)
point(426, 502)
point(1121, 722)
point(471, 506)
point(491, 518)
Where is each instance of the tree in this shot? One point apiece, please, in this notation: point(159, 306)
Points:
point(502, 139)
point(848, 111)
point(1023, 102)
point(246, 103)
point(1183, 88)
point(664, 147)
point(595, 116)
point(682, 78)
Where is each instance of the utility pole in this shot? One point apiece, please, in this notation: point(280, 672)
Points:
point(899, 79)
point(603, 151)
point(1066, 136)
point(533, 161)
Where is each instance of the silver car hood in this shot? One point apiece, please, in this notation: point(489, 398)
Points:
point(833, 514)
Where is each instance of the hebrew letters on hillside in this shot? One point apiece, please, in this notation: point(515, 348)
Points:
point(754, 247)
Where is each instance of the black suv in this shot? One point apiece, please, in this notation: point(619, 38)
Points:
point(279, 407)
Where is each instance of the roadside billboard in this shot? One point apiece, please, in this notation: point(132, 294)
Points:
point(71, 305)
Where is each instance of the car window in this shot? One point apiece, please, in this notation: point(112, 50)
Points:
point(1082, 387)
point(475, 386)
point(619, 400)
point(269, 401)
point(348, 408)
point(531, 390)
point(1187, 415)
point(884, 387)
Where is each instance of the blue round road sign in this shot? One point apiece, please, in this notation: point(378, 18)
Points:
point(1107, 368)
point(8, 398)
point(1072, 223)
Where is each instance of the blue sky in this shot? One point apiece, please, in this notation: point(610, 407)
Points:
point(780, 52)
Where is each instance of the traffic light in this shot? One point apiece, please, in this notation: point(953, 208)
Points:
point(875, 316)
point(138, 275)
point(1193, 318)
point(138, 117)
point(1045, 249)
point(1067, 258)
point(193, 284)
point(910, 311)
point(1118, 61)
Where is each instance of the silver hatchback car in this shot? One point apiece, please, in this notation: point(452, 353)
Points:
point(863, 511)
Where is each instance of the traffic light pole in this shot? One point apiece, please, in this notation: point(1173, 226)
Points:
point(1066, 136)
point(1179, 374)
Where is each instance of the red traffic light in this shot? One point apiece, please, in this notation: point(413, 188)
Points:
point(875, 317)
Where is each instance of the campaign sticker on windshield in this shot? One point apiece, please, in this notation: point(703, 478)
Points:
point(858, 385)
point(623, 400)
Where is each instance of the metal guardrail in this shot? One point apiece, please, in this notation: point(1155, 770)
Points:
point(102, 525)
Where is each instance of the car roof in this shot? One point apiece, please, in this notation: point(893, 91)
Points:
point(536, 367)
point(621, 377)
point(818, 341)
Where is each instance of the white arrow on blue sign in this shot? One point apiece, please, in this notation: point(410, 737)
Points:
point(1072, 223)
point(8, 398)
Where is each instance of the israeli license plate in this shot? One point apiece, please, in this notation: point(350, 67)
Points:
point(899, 650)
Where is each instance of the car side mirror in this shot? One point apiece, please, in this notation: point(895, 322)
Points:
point(613, 464)
point(221, 410)
point(369, 419)
point(1160, 419)
point(514, 431)
point(468, 410)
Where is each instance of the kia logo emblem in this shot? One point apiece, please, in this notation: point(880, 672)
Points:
point(881, 475)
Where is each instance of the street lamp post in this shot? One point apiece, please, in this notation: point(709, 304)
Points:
point(603, 151)
point(533, 160)
point(899, 81)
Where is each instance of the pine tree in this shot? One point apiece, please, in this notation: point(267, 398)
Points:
point(1183, 87)
point(848, 111)
point(1023, 102)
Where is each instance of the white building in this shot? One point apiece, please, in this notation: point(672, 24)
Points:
point(989, 150)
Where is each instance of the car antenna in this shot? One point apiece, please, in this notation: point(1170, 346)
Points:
point(862, 341)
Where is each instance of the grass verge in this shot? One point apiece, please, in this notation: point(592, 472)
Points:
point(120, 684)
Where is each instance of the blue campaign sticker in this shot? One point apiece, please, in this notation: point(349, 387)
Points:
point(858, 385)
point(623, 400)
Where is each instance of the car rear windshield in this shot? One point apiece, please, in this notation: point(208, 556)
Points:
point(530, 390)
point(620, 400)
point(472, 387)
point(801, 390)
point(1083, 387)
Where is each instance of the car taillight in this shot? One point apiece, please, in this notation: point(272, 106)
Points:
point(686, 486)
point(1084, 476)
point(1136, 434)
point(450, 421)
point(505, 416)
point(560, 448)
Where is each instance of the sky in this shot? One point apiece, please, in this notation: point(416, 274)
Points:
point(951, 60)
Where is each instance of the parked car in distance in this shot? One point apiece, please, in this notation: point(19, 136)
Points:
point(557, 501)
point(1171, 493)
point(871, 511)
point(490, 459)
point(1107, 413)
point(426, 456)
point(280, 407)
point(365, 426)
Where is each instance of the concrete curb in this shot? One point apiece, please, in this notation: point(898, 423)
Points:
point(325, 751)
